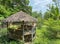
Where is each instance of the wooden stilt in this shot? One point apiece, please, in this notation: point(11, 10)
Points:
point(23, 33)
point(33, 32)
point(23, 37)
point(32, 35)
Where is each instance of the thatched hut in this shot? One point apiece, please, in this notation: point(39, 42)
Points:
point(21, 26)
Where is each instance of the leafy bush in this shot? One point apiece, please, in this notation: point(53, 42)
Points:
point(53, 27)
point(5, 40)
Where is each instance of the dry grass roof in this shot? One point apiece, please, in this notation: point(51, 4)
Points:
point(20, 16)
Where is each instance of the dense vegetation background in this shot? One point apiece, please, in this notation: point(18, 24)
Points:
point(48, 26)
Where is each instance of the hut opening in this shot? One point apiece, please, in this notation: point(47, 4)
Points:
point(21, 26)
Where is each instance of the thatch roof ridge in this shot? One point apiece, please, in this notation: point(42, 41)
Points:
point(20, 16)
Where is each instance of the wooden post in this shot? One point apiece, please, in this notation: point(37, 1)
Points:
point(7, 25)
point(32, 35)
point(23, 32)
point(7, 30)
point(33, 30)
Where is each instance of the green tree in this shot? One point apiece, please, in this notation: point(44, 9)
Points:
point(52, 24)
point(8, 7)
point(38, 16)
point(53, 12)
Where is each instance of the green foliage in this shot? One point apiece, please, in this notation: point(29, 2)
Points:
point(38, 16)
point(42, 39)
point(9, 7)
point(3, 32)
point(53, 13)
point(4, 12)
point(48, 29)
point(15, 27)
point(53, 27)
point(5, 40)
point(52, 22)
point(49, 32)
point(54, 0)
